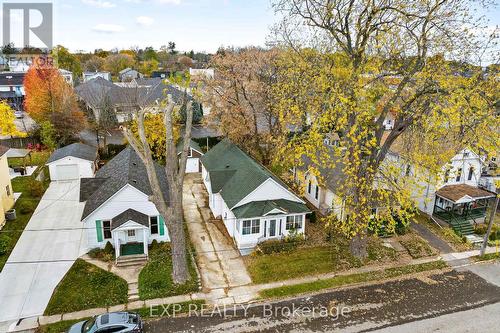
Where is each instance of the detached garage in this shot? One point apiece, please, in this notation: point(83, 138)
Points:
point(193, 164)
point(72, 162)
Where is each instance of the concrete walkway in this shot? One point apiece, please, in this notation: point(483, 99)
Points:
point(221, 266)
point(433, 240)
point(48, 247)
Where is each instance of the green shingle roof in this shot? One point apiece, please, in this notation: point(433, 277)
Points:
point(261, 208)
point(233, 173)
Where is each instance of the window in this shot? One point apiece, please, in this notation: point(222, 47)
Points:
point(459, 174)
point(293, 222)
point(447, 175)
point(471, 173)
point(251, 227)
point(153, 225)
point(309, 187)
point(316, 194)
point(408, 170)
point(131, 233)
point(106, 228)
point(190, 152)
point(466, 154)
point(7, 189)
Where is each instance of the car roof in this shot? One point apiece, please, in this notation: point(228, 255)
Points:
point(112, 318)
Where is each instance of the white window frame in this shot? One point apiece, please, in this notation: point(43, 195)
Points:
point(294, 222)
point(252, 229)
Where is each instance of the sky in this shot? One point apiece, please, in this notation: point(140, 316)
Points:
point(199, 25)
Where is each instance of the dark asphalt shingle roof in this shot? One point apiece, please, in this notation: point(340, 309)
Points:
point(129, 215)
point(233, 173)
point(12, 78)
point(261, 208)
point(125, 168)
point(79, 150)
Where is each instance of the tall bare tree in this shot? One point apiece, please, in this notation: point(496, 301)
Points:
point(171, 206)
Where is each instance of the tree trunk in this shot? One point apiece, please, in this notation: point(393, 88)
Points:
point(180, 272)
point(358, 246)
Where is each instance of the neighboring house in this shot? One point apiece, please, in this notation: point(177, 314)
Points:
point(118, 209)
point(202, 72)
point(87, 76)
point(6, 192)
point(12, 88)
point(72, 162)
point(67, 76)
point(125, 99)
point(254, 204)
point(129, 74)
point(193, 164)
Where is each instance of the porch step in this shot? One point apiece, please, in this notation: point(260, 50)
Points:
point(132, 260)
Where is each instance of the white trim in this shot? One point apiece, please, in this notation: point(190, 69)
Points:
point(275, 210)
point(130, 225)
point(77, 158)
point(262, 184)
point(111, 197)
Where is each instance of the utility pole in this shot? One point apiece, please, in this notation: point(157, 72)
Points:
point(490, 224)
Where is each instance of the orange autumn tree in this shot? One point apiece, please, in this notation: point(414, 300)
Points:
point(50, 99)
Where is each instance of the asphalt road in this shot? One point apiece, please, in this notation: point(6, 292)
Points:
point(420, 300)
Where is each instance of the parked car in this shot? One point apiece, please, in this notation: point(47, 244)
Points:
point(119, 322)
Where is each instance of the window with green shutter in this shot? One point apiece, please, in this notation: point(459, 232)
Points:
point(98, 228)
point(162, 225)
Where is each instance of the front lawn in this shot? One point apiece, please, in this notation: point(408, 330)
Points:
point(37, 158)
point(155, 279)
point(416, 246)
point(86, 286)
point(25, 206)
point(487, 257)
point(313, 260)
point(343, 280)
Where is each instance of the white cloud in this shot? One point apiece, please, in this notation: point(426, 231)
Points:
point(145, 20)
point(99, 3)
point(108, 28)
point(171, 2)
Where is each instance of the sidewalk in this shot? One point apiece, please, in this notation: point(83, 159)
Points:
point(240, 294)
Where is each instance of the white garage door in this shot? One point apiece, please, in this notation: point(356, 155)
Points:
point(68, 171)
point(192, 165)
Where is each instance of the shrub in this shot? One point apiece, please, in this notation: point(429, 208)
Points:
point(25, 207)
point(276, 246)
point(108, 248)
point(107, 254)
point(36, 188)
point(4, 244)
point(481, 229)
point(294, 237)
point(312, 217)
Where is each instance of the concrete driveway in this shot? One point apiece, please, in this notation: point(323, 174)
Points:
point(49, 245)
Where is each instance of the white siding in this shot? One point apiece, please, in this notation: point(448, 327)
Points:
point(127, 197)
point(86, 168)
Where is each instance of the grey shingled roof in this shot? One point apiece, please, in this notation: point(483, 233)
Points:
point(129, 215)
point(125, 168)
point(79, 150)
point(233, 173)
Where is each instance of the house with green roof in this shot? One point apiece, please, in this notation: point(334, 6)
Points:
point(254, 204)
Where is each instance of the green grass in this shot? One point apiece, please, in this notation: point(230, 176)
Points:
point(487, 256)
point(312, 260)
point(37, 158)
point(146, 313)
point(86, 286)
point(155, 279)
point(416, 246)
point(343, 280)
point(12, 230)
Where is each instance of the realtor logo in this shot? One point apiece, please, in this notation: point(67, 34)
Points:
point(43, 30)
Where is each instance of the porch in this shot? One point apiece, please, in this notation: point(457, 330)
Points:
point(130, 234)
point(460, 206)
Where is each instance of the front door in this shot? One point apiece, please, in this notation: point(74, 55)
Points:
point(272, 228)
point(131, 236)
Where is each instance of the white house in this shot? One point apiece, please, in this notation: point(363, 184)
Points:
point(254, 204)
point(118, 209)
point(67, 76)
point(129, 74)
point(87, 76)
point(72, 162)
point(193, 163)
